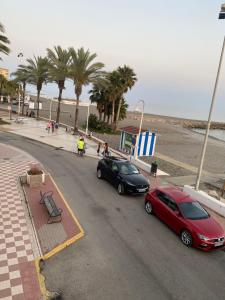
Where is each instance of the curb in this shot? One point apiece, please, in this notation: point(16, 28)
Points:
point(41, 278)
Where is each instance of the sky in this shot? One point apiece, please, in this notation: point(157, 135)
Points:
point(172, 46)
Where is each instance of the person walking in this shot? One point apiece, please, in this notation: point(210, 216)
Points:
point(80, 146)
point(99, 148)
point(106, 150)
point(49, 126)
point(53, 126)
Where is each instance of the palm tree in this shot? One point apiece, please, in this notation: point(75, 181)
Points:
point(59, 60)
point(3, 83)
point(3, 41)
point(114, 91)
point(22, 76)
point(83, 72)
point(127, 81)
point(11, 89)
point(98, 96)
point(38, 74)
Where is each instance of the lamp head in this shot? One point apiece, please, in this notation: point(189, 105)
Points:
point(222, 12)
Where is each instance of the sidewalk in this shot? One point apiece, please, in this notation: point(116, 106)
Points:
point(36, 130)
point(55, 236)
point(18, 250)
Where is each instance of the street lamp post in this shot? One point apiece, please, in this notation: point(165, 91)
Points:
point(140, 126)
point(19, 103)
point(50, 109)
point(221, 16)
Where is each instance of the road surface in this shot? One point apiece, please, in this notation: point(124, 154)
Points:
point(125, 254)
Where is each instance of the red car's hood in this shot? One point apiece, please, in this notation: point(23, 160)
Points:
point(208, 227)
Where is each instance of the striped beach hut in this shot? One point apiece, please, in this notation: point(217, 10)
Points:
point(145, 142)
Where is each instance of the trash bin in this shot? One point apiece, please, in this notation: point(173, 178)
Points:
point(154, 168)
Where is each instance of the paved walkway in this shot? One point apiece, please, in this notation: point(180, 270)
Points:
point(60, 138)
point(55, 234)
point(18, 276)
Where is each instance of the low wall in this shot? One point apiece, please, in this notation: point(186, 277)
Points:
point(206, 200)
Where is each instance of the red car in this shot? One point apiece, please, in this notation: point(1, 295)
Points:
point(186, 217)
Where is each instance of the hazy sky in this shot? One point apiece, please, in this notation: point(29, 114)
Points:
point(172, 45)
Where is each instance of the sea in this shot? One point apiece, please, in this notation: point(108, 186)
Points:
point(216, 133)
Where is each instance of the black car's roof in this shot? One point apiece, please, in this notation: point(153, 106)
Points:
point(117, 159)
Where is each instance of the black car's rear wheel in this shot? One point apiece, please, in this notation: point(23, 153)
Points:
point(99, 174)
point(120, 189)
point(148, 207)
point(186, 238)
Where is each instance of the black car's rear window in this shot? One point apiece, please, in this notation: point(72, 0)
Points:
point(193, 210)
point(127, 169)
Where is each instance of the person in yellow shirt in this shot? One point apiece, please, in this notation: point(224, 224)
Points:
point(80, 146)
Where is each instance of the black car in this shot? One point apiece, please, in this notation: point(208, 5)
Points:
point(123, 175)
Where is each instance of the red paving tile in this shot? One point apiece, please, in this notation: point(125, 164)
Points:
point(30, 282)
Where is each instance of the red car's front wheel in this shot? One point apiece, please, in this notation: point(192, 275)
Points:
point(148, 207)
point(186, 238)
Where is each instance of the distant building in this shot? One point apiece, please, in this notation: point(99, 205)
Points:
point(4, 72)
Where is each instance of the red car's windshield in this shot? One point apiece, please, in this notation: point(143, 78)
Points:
point(193, 211)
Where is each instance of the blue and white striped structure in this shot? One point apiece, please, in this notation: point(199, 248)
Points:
point(146, 143)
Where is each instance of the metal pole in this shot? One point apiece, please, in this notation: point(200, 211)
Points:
point(50, 110)
point(88, 112)
point(140, 126)
point(209, 118)
point(19, 105)
point(9, 107)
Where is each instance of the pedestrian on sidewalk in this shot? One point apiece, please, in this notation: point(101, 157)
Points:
point(56, 127)
point(105, 152)
point(99, 148)
point(53, 126)
point(49, 126)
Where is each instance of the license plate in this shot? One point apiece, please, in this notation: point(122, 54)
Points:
point(217, 244)
point(141, 190)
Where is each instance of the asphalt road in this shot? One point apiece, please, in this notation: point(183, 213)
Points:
point(125, 253)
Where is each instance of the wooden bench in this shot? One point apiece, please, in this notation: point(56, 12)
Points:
point(53, 211)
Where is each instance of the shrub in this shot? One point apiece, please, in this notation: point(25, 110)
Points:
point(99, 126)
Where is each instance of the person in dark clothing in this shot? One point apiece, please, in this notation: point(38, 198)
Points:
point(99, 148)
point(106, 150)
point(53, 126)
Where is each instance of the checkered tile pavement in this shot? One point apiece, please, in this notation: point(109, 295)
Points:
point(15, 244)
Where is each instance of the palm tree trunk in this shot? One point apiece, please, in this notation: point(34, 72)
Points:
point(118, 113)
point(100, 113)
point(113, 113)
point(76, 112)
point(38, 101)
point(24, 90)
point(1, 86)
point(59, 103)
